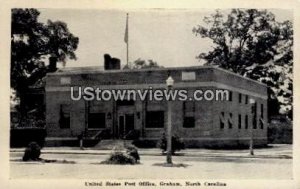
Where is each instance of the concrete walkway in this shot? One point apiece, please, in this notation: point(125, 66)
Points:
point(282, 151)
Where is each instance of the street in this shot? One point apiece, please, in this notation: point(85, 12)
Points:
point(269, 163)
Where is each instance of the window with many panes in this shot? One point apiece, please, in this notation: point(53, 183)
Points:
point(188, 114)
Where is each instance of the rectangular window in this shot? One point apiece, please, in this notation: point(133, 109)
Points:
point(64, 120)
point(261, 110)
point(188, 114)
point(240, 121)
point(240, 98)
point(230, 121)
point(230, 95)
point(222, 124)
point(96, 120)
point(246, 99)
point(246, 121)
point(155, 119)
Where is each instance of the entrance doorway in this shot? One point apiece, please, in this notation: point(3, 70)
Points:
point(125, 117)
point(126, 124)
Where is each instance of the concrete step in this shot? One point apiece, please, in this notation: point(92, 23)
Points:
point(111, 144)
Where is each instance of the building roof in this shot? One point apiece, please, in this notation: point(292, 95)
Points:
point(100, 69)
point(79, 70)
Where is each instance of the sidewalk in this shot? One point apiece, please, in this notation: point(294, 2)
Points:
point(283, 151)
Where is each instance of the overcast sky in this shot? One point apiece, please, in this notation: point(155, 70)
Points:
point(160, 35)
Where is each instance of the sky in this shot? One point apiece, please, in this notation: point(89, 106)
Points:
point(163, 36)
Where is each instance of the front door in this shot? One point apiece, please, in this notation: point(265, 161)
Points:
point(126, 124)
point(125, 120)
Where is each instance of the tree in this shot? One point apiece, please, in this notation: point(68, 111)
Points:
point(31, 41)
point(62, 43)
point(252, 43)
point(142, 64)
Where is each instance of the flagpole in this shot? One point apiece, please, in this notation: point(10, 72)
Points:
point(127, 41)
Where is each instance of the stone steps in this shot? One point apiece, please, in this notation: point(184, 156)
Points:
point(111, 144)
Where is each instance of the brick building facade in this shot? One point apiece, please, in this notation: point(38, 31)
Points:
point(198, 123)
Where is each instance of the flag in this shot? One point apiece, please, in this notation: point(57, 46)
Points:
point(126, 31)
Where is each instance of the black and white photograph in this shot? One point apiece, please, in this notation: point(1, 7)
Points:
point(151, 98)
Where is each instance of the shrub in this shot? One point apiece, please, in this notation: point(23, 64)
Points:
point(130, 157)
point(133, 152)
point(280, 134)
point(177, 143)
point(32, 152)
point(120, 158)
